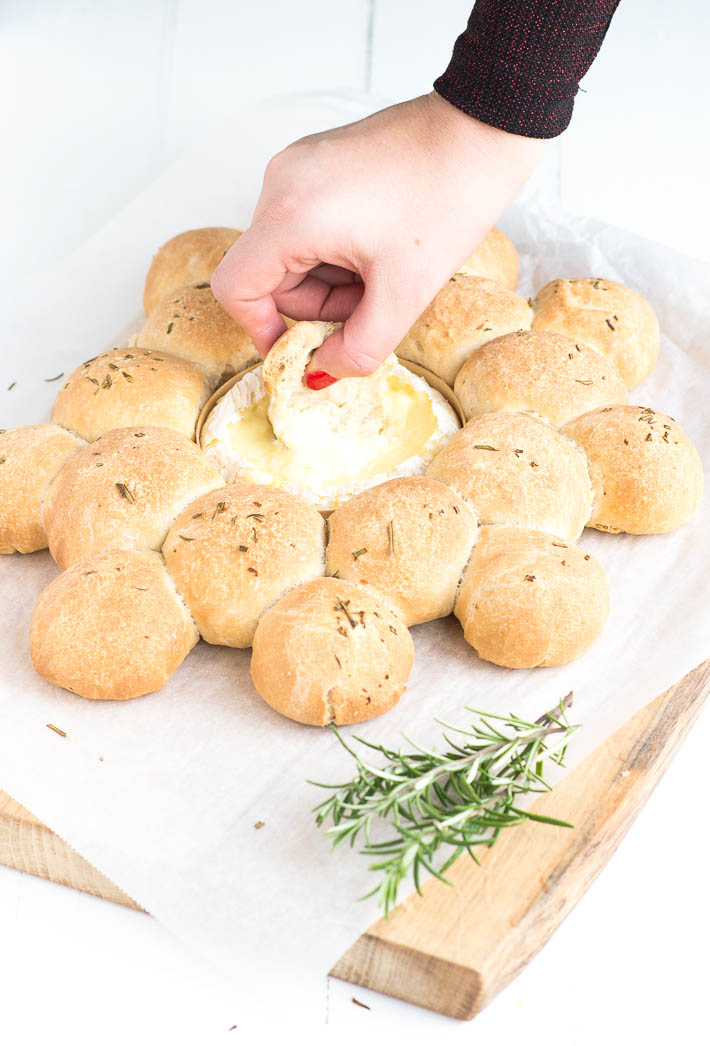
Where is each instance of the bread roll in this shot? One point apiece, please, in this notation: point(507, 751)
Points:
point(407, 540)
point(610, 317)
point(189, 257)
point(646, 475)
point(235, 551)
point(546, 374)
point(29, 458)
point(131, 387)
point(123, 491)
point(512, 468)
point(528, 599)
point(495, 258)
point(467, 312)
point(191, 323)
point(330, 652)
point(111, 627)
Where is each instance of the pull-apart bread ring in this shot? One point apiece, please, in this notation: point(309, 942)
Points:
point(132, 387)
point(406, 540)
point(111, 627)
point(528, 599)
point(495, 258)
point(538, 372)
point(330, 652)
point(513, 468)
point(233, 552)
point(30, 457)
point(123, 491)
point(466, 313)
point(610, 317)
point(189, 257)
point(646, 475)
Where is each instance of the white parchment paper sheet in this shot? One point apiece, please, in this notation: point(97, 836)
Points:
point(168, 813)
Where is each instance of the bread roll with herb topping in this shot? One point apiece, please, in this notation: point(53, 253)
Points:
point(407, 540)
point(189, 257)
point(191, 323)
point(123, 491)
point(111, 627)
point(467, 312)
point(610, 317)
point(495, 258)
point(647, 476)
point(539, 372)
point(330, 652)
point(30, 457)
point(131, 387)
point(528, 599)
point(233, 552)
point(513, 468)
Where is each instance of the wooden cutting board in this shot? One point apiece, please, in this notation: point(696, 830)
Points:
point(453, 948)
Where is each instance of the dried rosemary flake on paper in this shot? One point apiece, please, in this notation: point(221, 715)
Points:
point(58, 376)
point(62, 733)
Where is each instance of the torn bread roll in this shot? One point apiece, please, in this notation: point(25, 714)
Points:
point(233, 552)
point(111, 627)
point(407, 540)
point(538, 372)
point(30, 457)
point(513, 468)
point(495, 258)
point(610, 317)
point(123, 491)
point(467, 312)
point(528, 599)
point(132, 387)
point(646, 475)
point(331, 652)
point(189, 257)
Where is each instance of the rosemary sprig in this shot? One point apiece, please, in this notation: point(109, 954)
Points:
point(443, 804)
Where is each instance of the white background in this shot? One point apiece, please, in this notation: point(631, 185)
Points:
point(97, 99)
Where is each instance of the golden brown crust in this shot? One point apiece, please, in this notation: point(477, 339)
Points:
point(513, 468)
point(646, 475)
point(330, 652)
point(543, 373)
point(30, 457)
point(495, 258)
point(191, 323)
point(123, 491)
point(610, 317)
point(467, 312)
point(528, 599)
point(111, 627)
point(189, 257)
point(233, 552)
point(408, 540)
point(131, 387)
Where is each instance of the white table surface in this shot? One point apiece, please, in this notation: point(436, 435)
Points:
point(100, 98)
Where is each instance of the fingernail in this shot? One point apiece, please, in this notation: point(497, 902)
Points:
point(319, 379)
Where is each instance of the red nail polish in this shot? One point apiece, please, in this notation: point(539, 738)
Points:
point(319, 379)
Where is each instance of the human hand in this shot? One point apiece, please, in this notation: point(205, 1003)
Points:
point(363, 224)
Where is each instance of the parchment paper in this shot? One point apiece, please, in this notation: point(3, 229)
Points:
point(168, 814)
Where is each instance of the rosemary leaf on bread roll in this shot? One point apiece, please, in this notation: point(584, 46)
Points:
point(131, 387)
point(513, 468)
point(495, 258)
point(233, 552)
point(189, 257)
point(123, 491)
point(30, 457)
point(111, 627)
point(407, 540)
point(647, 476)
point(539, 372)
point(528, 599)
point(467, 312)
point(330, 652)
point(610, 317)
